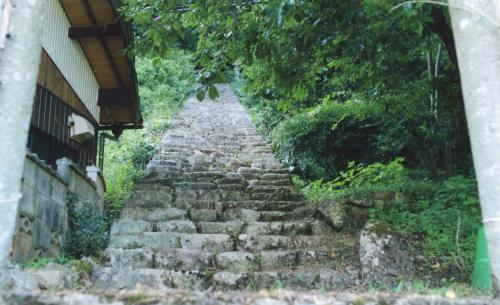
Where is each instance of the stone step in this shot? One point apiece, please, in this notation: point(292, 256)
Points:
point(239, 261)
point(213, 243)
point(231, 181)
point(105, 278)
point(185, 203)
point(264, 205)
point(297, 214)
point(166, 179)
point(286, 181)
point(256, 149)
point(255, 173)
point(234, 195)
point(167, 155)
point(263, 228)
point(232, 227)
point(152, 186)
point(130, 226)
point(147, 240)
point(203, 215)
point(277, 195)
point(183, 259)
point(157, 170)
point(130, 258)
point(195, 186)
point(249, 215)
point(160, 198)
point(234, 261)
point(163, 258)
point(256, 243)
point(190, 198)
point(232, 187)
point(153, 214)
point(179, 156)
point(245, 215)
point(268, 189)
point(277, 228)
point(179, 226)
point(166, 162)
point(257, 144)
point(297, 280)
point(207, 176)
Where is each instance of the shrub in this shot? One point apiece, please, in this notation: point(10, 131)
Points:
point(443, 224)
point(320, 142)
point(87, 232)
point(357, 178)
point(440, 218)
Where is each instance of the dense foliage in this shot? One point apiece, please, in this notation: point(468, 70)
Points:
point(398, 62)
point(164, 84)
point(441, 219)
point(356, 96)
point(88, 232)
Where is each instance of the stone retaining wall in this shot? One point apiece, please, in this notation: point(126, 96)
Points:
point(42, 218)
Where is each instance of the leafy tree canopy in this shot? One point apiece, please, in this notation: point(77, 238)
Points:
point(394, 56)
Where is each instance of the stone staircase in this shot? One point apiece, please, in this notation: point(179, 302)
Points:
point(218, 211)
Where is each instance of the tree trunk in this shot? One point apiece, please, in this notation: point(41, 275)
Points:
point(477, 40)
point(20, 46)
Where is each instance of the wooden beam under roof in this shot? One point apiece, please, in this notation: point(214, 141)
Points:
point(95, 31)
point(108, 54)
point(113, 97)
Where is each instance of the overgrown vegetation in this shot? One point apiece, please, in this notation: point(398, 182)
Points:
point(42, 262)
point(88, 232)
point(357, 97)
point(164, 84)
point(441, 219)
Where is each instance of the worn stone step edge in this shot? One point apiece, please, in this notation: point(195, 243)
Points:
point(128, 278)
point(186, 259)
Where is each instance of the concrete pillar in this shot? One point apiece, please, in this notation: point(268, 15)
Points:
point(22, 20)
point(95, 173)
point(475, 26)
point(64, 169)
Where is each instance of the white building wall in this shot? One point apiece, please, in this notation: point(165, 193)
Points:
point(69, 57)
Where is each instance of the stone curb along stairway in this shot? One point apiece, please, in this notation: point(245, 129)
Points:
point(217, 210)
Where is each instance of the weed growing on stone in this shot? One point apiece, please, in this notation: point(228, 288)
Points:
point(44, 262)
point(277, 285)
point(253, 285)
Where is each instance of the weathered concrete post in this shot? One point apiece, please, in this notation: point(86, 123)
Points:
point(21, 22)
point(476, 28)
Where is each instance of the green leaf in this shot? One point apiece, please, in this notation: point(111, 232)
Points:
point(200, 95)
point(213, 93)
point(220, 77)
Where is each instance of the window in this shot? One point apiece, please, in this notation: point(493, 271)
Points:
point(48, 148)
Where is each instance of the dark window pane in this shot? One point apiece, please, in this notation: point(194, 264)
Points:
point(40, 144)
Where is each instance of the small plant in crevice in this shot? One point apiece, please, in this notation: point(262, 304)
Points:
point(277, 285)
point(45, 261)
point(88, 233)
point(84, 269)
point(253, 285)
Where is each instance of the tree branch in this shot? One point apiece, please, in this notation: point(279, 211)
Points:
point(443, 30)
